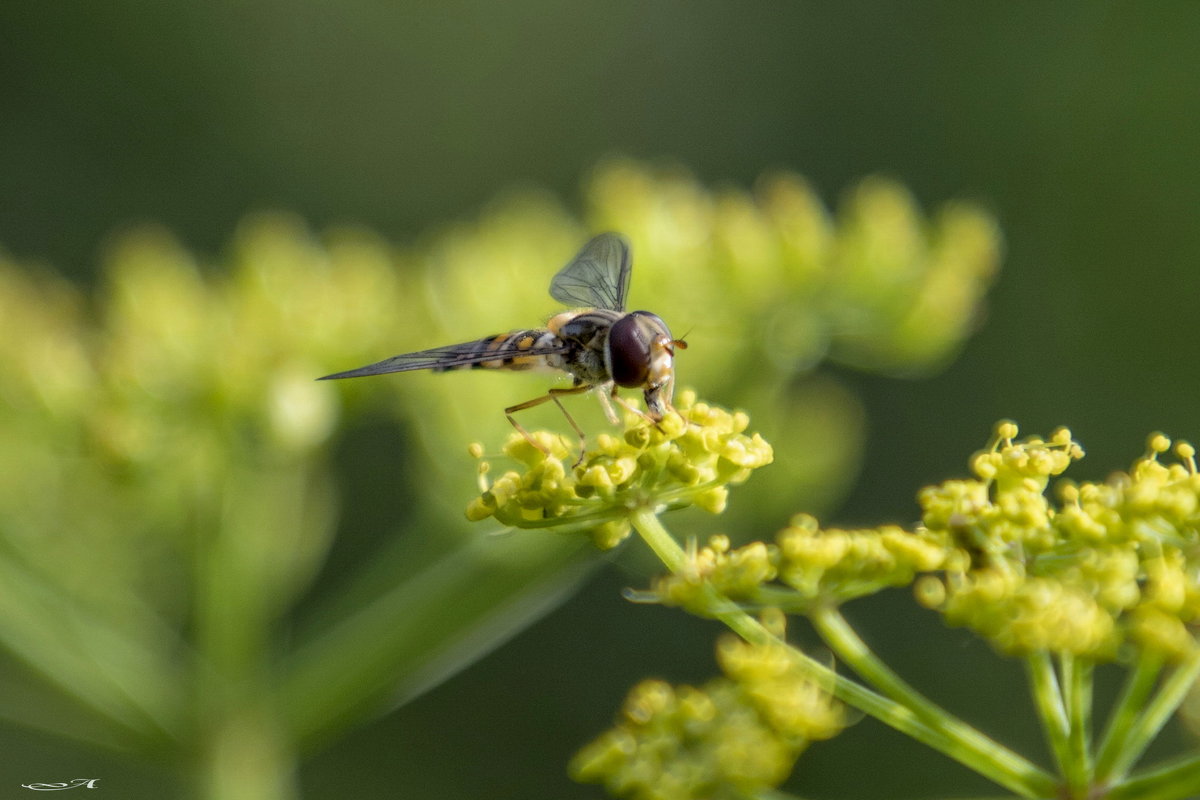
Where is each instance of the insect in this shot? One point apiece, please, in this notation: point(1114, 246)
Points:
point(597, 343)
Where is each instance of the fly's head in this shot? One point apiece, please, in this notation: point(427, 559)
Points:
point(641, 354)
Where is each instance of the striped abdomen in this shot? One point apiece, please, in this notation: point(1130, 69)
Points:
point(517, 350)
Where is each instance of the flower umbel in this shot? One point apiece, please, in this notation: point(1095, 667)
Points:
point(743, 731)
point(1116, 563)
point(689, 458)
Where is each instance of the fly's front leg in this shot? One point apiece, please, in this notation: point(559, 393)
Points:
point(603, 394)
point(625, 405)
point(553, 394)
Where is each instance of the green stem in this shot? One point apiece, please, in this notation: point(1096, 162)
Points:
point(1077, 678)
point(1052, 712)
point(1120, 727)
point(1176, 780)
point(960, 741)
point(245, 755)
point(1155, 715)
point(646, 523)
point(118, 666)
point(934, 727)
point(244, 752)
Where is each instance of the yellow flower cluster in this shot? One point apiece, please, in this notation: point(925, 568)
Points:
point(838, 564)
point(880, 283)
point(784, 694)
point(816, 566)
point(1118, 562)
point(737, 574)
point(1113, 562)
point(741, 732)
point(689, 458)
point(126, 420)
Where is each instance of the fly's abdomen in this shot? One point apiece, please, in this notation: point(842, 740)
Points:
point(516, 351)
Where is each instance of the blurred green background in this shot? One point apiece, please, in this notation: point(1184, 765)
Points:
point(1072, 122)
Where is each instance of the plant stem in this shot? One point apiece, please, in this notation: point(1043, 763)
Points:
point(246, 756)
point(1175, 780)
point(1120, 727)
point(931, 725)
point(1051, 709)
point(244, 748)
point(1077, 680)
point(646, 523)
point(960, 741)
point(1147, 726)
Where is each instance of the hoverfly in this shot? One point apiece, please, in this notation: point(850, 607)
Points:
point(597, 343)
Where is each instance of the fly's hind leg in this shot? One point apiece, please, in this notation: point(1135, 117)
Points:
point(553, 394)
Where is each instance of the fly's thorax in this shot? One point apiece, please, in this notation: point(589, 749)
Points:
point(641, 354)
point(587, 327)
point(585, 331)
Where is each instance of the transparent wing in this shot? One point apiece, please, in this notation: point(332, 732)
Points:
point(504, 348)
point(598, 277)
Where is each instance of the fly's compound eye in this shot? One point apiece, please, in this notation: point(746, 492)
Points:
point(630, 347)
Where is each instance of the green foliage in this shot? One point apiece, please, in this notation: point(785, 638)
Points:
point(166, 490)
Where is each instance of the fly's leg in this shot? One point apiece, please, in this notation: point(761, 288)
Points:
point(607, 405)
point(625, 405)
point(650, 417)
point(553, 394)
